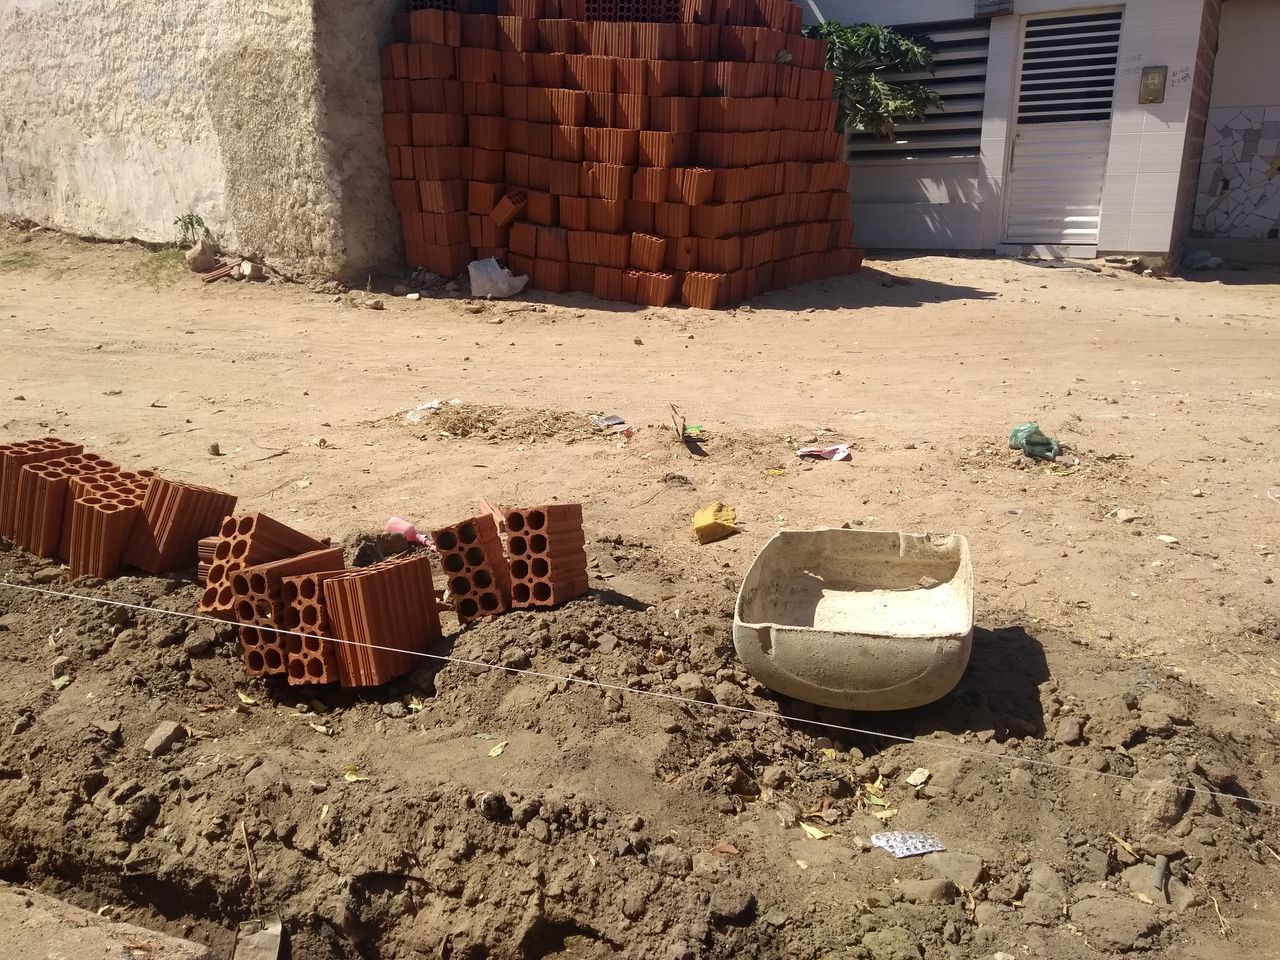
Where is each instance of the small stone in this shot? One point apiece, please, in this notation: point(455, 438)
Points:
point(413, 296)
point(670, 861)
point(606, 643)
point(515, 658)
point(525, 811)
point(1070, 731)
point(1162, 806)
point(21, 725)
point(634, 902)
point(638, 342)
point(774, 777)
point(47, 575)
point(165, 736)
point(60, 667)
point(691, 686)
point(1160, 846)
point(1114, 923)
point(395, 710)
point(732, 906)
point(196, 683)
point(1040, 909)
point(928, 891)
point(215, 450)
point(729, 694)
point(264, 776)
point(892, 943)
point(539, 830)
point(375, 304)
point(109, 727)
point(203, 257)
point(451, 286)
point(1044, 879)
point(493, 806)
point(474, 308)
point(963, 869)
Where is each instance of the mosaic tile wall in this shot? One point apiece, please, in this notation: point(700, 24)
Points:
point(1239, 193)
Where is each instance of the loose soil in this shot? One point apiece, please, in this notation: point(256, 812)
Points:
point(1115, 677)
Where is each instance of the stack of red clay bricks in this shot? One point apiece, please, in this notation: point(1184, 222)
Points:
point(288, 591)
point(59, 502)
point(690, 160)
point(471, 557)
point(545, 563)
point(301, 613)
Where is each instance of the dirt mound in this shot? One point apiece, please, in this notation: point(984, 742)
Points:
point(553, 809)
point(495, 423)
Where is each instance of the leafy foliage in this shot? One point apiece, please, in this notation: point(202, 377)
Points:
point(190, 227)
point(860, 55)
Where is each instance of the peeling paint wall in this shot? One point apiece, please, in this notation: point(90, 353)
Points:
point(116, 116)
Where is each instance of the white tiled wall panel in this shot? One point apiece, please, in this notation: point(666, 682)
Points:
point(1146, 144)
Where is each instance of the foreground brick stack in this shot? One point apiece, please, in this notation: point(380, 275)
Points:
point(261, 608)
point(651, 162)
point(247, 541)
point(300, 613)
point(13, 457)
point(548, 555)
point(384, 613)
point(471, 557)
point(310, 649)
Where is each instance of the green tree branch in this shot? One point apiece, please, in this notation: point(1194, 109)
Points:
point(860, 55)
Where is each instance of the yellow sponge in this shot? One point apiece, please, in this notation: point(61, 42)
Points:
point(714, 522)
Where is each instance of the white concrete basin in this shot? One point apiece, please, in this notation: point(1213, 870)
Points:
point(857, 619)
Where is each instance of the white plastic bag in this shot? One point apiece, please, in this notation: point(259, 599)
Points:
point(491, 279)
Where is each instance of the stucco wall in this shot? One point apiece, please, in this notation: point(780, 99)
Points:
point(116, 116)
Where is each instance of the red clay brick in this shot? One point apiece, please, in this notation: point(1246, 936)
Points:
point(550, 275)
point(523, 239)
point(610, 145)
point(607, 216)
point(508, 208)
point(541, 208)
point(608, 283)
point(574, 212)
point(647, 252)
point(652, 184)
point(661, 149)
point(606, 181)
point(567, 141)
point(479, 30)
point(703, 290)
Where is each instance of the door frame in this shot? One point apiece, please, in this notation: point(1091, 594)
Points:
point(1040, 251)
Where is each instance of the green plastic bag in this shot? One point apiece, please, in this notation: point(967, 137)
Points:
point(1028, 438)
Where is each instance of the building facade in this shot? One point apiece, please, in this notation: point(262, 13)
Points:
point(1074, 128)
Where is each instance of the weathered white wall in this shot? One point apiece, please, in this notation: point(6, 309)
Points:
point(116, 116)
point(1238, 194)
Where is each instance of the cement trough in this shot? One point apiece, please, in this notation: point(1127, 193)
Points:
point(857, 619)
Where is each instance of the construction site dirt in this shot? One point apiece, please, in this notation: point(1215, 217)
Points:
point(604, 778)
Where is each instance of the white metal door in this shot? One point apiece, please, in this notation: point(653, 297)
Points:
point(1066, 84)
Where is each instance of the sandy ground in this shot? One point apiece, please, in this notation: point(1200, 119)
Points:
point(1165, 389)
